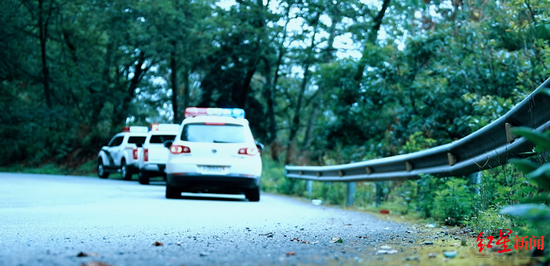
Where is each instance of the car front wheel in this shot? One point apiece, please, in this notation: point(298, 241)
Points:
point(101, 172)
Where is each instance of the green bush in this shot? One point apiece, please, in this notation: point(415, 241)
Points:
point(427, 188)
point(335, 193)
point(454, 203)
point(365, 193)
point(534, 213)
point(488, 221)
point(273, 175)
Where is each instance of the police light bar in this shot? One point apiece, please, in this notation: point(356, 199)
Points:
point(200, 111)
point(164, 127)
point(136, 129)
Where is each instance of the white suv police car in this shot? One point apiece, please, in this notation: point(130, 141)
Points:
point(121, 154)
point(153, 155)
point(214, 152)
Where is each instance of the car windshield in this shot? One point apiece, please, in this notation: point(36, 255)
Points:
point(161, 138)
point(226, 133)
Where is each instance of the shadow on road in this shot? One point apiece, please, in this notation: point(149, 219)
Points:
point(157, 183)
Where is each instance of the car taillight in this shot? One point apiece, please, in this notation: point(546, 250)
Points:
point(179, 149)
point(135, 154)
point(145, 155)
point(248, 151)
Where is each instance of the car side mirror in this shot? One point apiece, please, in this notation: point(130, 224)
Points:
point(260, 146)
point(168, 143)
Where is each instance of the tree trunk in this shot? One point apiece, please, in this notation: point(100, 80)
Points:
point(327, 58)
point(372, 36)
point(121, 113)
point(174, 82)
point(240, 100)
point(43, 35)
point(295, 124)
point(186, 89)
point(272, 87)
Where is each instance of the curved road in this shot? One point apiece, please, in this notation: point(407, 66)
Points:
point(49, 220)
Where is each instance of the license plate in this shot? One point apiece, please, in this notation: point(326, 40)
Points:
point(212, 169)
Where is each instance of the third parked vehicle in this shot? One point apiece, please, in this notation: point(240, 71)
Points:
point(121, 154)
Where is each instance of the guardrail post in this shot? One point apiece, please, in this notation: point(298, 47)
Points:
point(351, 193)
point(378, 189)
point(309, 188)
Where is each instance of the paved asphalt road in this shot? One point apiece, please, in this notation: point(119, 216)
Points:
point(49, 220)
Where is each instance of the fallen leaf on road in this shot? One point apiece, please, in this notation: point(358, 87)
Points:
point(157, 243)
point(336, 240)
point(291, 253)
point(95, 263)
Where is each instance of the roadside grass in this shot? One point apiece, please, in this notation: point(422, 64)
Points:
point(48, 168)
point(86, 169)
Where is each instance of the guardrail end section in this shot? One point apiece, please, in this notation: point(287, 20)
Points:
point(509, 135)
point(451, 158)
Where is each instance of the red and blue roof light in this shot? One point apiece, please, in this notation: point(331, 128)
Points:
point(203, 111)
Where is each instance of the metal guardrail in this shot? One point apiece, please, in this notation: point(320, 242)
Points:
point(489, 147)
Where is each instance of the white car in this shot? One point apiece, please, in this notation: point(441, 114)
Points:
point(121, 154)
point(214, 152)
point(153, 154)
